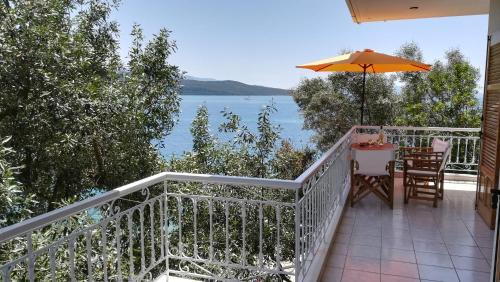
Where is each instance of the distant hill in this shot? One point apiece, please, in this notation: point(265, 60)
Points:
point(199, 78)
point(227, 87)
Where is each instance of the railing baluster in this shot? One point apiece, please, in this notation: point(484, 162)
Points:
point(226, 211)
point(5, 274)
point(278, 234)
point(143, 255)
point(31, 257)
point(466, 150)
point(88, 246)
point(118, 248)
point(104, 251)
point(195, 227)
point(162, 228)
point(165, 226)
point(179, 214)
point(152, 232)
point(71, 250)
point(130, 245)
point(243, 233)
point(261, 256)
point(52, 264)
point(474, 152)
point(211, 235)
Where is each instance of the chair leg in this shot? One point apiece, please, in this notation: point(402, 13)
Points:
point(441, 185)
point(391, 193)
point(436, 194)
point(407, 189)
point(351, 192)
point(353, 184)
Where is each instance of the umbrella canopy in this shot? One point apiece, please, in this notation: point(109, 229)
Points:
point(366, 61)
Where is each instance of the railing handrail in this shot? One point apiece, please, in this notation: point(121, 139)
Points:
point(232, 180)
point(39, 221)
point(449, 129)
point(317, 165)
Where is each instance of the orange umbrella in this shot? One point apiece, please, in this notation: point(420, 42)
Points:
point(366, 61)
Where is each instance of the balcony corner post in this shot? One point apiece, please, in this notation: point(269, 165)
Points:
point(297, 234)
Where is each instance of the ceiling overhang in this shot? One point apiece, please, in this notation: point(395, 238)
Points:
point(387, 10)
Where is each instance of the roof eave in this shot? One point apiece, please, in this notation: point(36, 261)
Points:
point(351, 10)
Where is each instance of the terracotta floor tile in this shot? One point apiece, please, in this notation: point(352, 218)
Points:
point(363, 264)
point(472, 276)
point(336, 261)
point(464, 251)
point(392, 278)
point(436, 273)
point(470, 264)
point(332, 274)
point(364, 251)
point(434, 259)
point(430, 247)
point(399, 268)
point(359, 276)
point(398, 255)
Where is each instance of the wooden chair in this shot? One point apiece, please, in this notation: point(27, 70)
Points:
point(365, 180)
point(423, 172)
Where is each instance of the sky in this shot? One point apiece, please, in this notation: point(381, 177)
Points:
point(261, 41)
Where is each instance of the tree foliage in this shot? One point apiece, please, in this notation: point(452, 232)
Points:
point(15, 206)
point(446, 96)
point(331, 106)
point(443, 97)
point(79, 117)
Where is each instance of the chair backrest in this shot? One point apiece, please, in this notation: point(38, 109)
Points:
point(374, 162)
point(365, 137)
point(440, 146)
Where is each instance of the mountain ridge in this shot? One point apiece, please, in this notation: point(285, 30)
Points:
point(228, 88)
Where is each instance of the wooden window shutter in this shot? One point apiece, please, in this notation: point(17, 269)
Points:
point(490, 161)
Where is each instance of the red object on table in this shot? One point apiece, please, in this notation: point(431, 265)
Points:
point(385, 146)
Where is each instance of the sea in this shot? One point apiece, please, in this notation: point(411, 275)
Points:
point(287, 116)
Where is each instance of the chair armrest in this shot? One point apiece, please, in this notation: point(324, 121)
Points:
point(427, 149)
point(430, 154)
point(412, 150)
point(425, 164)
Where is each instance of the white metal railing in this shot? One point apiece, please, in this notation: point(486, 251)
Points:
point(204, 226)
point(325, 186)
point(187, 224)
point(465, 142)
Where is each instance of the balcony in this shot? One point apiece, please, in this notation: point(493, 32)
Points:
point(236, 228)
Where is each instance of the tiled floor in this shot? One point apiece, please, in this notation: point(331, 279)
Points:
point(413, 242)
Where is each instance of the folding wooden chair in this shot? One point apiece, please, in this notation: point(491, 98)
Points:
point(423, 172)
point(372, 175)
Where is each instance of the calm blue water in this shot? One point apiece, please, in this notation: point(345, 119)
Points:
point(247, 107)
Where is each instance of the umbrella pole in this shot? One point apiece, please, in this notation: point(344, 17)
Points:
point(363, 94)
